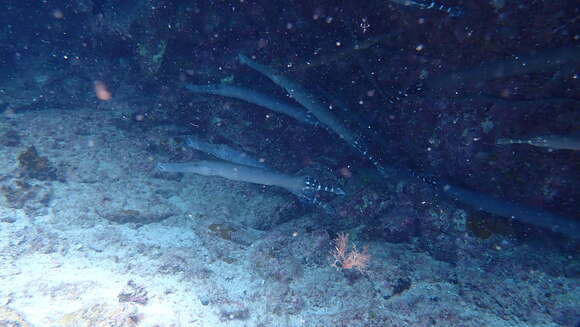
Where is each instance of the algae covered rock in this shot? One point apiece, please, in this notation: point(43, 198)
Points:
point(34, 166)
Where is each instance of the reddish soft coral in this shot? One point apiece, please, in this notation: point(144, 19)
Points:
point(343, 258)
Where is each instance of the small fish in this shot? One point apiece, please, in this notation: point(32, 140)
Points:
point(435, 5)
point(555, 142)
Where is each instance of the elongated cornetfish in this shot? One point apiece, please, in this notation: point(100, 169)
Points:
point(556, 142)
point(304, 187)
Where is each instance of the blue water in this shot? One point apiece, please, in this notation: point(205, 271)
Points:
point(414, 163)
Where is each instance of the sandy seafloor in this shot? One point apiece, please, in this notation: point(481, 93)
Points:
point(112, 243)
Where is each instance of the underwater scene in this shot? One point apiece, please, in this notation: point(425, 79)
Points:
point(253, 163)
